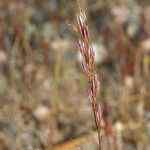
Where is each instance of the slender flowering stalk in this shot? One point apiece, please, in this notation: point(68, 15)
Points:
point(88, 68)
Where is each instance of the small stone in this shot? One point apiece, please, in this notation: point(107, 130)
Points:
point(121, 14)
point(41, 113)
point(129, 82)
point(146, 45)
point(3, 57)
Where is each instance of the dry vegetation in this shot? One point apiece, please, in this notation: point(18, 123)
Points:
point(43, 102)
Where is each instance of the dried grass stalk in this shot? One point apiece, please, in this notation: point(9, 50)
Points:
point(88, 68)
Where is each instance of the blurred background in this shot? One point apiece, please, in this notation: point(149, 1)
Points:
point(43, 93)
